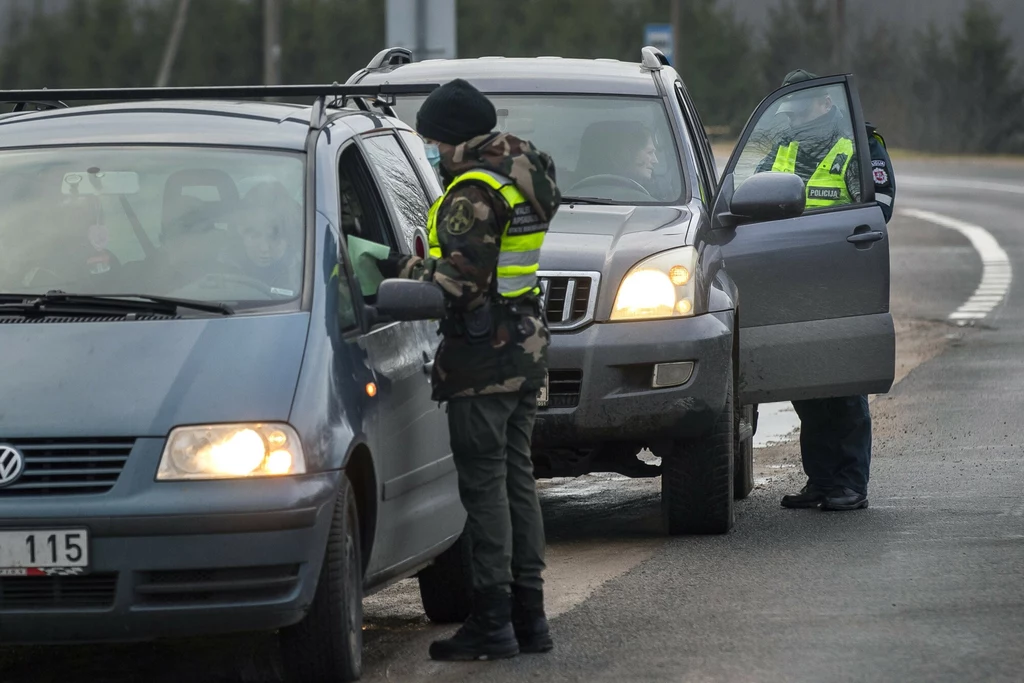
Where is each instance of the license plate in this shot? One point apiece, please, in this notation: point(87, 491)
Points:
point(44, 552)
point(542, 395)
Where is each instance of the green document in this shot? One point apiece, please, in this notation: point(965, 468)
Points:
point(364, 255)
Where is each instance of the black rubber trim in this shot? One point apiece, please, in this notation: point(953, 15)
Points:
point(177, 525)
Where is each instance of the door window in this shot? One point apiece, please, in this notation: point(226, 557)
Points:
point(414, 143)
point(810, 133)
point(705, 158)
point(400, 183)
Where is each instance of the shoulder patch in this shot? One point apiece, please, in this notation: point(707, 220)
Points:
point(881, 177)
point(878, 163)
point(459, 217)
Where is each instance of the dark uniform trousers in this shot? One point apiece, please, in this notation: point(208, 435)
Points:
point(490, 438)
point(835, 441)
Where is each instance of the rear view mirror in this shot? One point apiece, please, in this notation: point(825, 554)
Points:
point(97, 182)
point(768, 196)
point(399, 299)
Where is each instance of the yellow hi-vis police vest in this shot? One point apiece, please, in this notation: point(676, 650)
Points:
point(827, 187)
point(521, 238)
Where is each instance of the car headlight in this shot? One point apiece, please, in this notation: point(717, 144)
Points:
point(661, 286)
point(235, 451)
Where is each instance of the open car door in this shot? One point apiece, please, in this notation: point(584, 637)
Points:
point(813, 286)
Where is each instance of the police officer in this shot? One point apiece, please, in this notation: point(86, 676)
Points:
point(835, 433)
point(486, 233)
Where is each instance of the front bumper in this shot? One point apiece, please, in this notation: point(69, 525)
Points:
point(614, 399)
point(172, 559)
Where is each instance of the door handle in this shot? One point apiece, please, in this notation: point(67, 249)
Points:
point(865, 237)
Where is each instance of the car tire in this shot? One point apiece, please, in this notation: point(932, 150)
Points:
point(446, 586)
point(327, 645)
point(743, 470)
point(697, 479)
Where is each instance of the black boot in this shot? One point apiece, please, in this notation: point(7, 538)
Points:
point(486, 634)
point(841, 498)
point(810, 496)
point(531, 626)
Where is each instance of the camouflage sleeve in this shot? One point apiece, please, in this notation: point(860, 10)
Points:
point(468, 229)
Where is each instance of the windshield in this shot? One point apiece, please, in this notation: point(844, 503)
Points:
point(611, 148)
point(195, 223)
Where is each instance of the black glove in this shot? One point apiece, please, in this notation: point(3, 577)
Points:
point(390, 267)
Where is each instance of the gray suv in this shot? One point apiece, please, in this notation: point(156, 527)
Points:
point(679, 300)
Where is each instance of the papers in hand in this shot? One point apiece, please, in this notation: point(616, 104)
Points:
point(364, 255)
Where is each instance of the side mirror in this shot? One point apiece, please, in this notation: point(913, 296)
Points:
point(399, 299)
point(768, 196)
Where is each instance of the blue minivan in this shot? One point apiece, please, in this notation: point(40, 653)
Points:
point(214, 416)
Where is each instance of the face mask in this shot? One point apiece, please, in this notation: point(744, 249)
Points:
point(433, 154)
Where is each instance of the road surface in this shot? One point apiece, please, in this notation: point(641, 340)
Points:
point(925, 585)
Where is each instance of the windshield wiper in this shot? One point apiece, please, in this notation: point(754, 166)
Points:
point(57, 299)
point(587, 200)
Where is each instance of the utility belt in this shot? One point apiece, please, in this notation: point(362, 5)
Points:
point(478, 325)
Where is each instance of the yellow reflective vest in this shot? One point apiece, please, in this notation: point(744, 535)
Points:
point(521, 237)
point(827, 186)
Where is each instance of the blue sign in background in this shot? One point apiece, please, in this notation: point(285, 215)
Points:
point(660, 36)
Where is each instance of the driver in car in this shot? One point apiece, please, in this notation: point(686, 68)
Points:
point(623, 149)
point(269, 225)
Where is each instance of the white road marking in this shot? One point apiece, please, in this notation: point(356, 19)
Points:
point(959, 184)
point(996, 274)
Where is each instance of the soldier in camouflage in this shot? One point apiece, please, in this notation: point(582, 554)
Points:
point(492, 359)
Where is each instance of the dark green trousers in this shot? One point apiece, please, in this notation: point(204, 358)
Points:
point(490, 438)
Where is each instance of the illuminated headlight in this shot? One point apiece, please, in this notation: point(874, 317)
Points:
point(231, 452)
point(661, 286)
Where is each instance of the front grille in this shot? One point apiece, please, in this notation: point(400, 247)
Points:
point(63, 467)
point(564, 388)
point(569, 298)
point(20, 593)
point(212, 586)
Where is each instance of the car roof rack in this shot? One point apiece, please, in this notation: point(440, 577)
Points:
point(652, 59)
point(326, 95)
point(390, 56)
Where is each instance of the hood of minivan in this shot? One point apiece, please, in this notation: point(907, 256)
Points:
point(584, 237)
point(142, 378)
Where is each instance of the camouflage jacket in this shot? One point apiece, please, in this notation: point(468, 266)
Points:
point(513, 356)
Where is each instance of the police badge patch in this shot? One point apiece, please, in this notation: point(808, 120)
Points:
point(460, 216)
point(881, 177)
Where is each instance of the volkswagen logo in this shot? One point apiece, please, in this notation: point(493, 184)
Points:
point(12, 464)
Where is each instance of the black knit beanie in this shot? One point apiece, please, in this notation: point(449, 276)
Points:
point(454, 113)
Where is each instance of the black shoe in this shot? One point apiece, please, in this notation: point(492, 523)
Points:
point(810, 496)
point(486, 634)
point(529, 621)
point(844, 499)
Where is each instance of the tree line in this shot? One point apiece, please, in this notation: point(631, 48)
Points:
point(958, 91)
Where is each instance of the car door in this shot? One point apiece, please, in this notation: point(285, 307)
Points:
point(420, 482)
point(813, 289)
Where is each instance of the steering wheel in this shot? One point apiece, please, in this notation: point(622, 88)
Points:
point(608, 178)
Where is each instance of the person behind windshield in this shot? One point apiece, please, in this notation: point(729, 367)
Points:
point(269, 224)
point(620, 148)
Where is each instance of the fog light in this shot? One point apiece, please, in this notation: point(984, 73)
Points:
point(671, 374)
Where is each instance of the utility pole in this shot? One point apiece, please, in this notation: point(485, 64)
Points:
point(677, 41)
point(271, 42)
point(173, 42)
point(839, 35)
